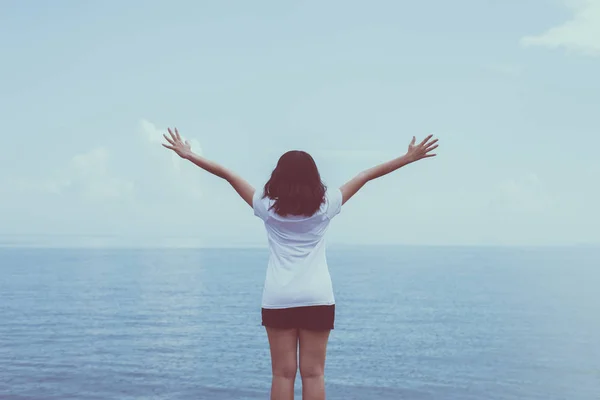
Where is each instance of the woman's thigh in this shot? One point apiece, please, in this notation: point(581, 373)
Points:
point(313, 350)
point(283, 344)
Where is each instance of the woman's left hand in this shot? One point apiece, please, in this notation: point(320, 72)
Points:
point(183, 149)
point(422, 150)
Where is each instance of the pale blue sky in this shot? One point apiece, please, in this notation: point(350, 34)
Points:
point(511, 89)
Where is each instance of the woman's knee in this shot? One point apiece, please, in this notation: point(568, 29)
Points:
point(311, 370)
point(287, 371)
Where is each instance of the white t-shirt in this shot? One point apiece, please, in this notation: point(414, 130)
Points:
point(297, 272)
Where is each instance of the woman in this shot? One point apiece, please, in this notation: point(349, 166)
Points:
point(298, 307)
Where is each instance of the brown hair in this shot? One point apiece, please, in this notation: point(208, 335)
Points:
point(295, 185)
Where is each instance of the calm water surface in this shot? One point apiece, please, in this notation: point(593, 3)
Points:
point(412, 323)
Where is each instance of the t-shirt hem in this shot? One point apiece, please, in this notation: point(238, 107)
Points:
point(318, 303)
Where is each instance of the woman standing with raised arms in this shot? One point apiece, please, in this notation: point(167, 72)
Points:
point(298, 306)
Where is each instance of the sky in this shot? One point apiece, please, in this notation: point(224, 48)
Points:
point(510, 88)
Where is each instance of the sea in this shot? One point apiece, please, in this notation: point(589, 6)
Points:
point(412, 322)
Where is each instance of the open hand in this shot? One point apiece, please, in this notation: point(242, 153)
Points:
point(183, 149)
point(422, 150)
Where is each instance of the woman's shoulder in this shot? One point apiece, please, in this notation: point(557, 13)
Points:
point(333, 202)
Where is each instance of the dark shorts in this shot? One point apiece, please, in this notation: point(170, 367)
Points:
point(314, 318)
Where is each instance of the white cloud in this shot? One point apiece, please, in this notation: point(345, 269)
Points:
point(135, 188)
point(95, 175)
point(155, 135)
point(90, 172)
point(87, 175)
point(581, 33)
point(181, 177)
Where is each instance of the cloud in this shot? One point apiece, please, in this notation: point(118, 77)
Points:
point(86, 175)
point(91, 174)
point(580, 34)
point(135, 188)
point(154, 135)
point(97, 175)
point(180, 177)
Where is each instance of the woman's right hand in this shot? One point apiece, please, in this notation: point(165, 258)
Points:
point(183, 149)
point(422, 150)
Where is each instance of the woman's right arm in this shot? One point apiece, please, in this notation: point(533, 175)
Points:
point(414, 153)
point(184, 150)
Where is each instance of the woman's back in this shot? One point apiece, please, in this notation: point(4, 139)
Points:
point(297, 272)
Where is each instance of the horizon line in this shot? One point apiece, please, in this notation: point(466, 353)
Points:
point(265, 247)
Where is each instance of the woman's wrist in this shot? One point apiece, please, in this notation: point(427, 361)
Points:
point(405, 159)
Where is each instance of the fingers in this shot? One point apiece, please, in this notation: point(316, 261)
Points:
point(169, 139)
point(177, 133)
point(431, 148)
point(425, 140)
point(172, 135)
point(428, 145)
point(168, 147)
point(430, 155)
point(413, 141)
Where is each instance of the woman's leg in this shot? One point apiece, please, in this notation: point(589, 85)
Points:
point(284, 362)
point(313, 347)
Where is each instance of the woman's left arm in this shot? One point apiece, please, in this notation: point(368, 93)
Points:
point(184, 150)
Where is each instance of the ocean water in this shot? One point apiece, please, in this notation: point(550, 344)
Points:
point(411, 323)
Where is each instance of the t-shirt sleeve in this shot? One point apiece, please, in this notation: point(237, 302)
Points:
point(259, 205)
point(334, 202)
